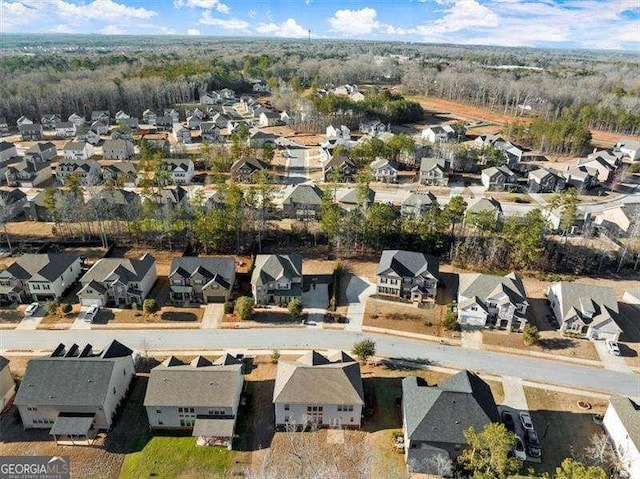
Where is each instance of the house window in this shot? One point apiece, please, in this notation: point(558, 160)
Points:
point(158, 411)
point(124, 372)
point(160, 423)
point(286, 407)
point(114, 390)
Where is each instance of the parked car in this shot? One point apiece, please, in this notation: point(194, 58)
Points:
point(525, 419)
point(518, 449)
point(507, 420)
point(91, 314)
point(533, 443)
point(31, 309)
point(612, 347)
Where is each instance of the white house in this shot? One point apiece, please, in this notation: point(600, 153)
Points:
point(335, 132)
point(76, 119)
point(438, 133)
point(7, 383)
point(629, 147)
point(65, 129)
point(384, 170)
point(180, 170)
point(622, 423)
point(317, 389)
point(77, 150)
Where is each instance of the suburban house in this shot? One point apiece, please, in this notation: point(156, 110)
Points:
point(269, 118)
point(259, 139)
point(209, 98)
point(164, 123)
point(121, 115)
point(175, 197)
point(88, 171)
point(632, 297)
point(101, 115)
point(7, 383)
point(491, 300)
point(122, 173)
point(201, 280)
point(434, 418)
point(483, 206)
point(302, 202)
point(349, 199)
point(434, 171)
point(180, 171)
point(613, 158)
point(100, 127)
point(65, 129)
point(116, 203)
point(629, 147)
point(77, 150)
point(581, 177)
point(373, 128)
point(339, 168)
point(118, 281)
point(619, 220)
point(384, 170)
point(407, 274)
point(585, 309)
point(90, 136)
point(202, 397)
point(12, 203)
point(181, 133)
point(158, 142)
point(243, 170)
point(31, 132)
point(38, 277)
point(38, 208)
point(210, 131)
point(4, 126)
point(118, 150)
point(7, 151)
point(23, 120)
point(622, 423)
point(439, 134)
point(320, 390)
point(603, 168)
point(73, 392)
point(260, 87)
point(29, 173)
point(173, 113)
point(545, 180)
point(335, 132)
point(193, 122)
point(276, 278)
point(149, 117)
point(498, 178)
point(76, 119)
point(43, 151)
point(49, 121)
point(415, 205)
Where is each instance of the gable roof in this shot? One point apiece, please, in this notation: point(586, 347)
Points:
point(220, 270)
point(578, 298)
point(407, 264)
point(49, 265)
point(253, 164)
point(442, 413)
point(429, 163)
point(629, 414)
point(303, 194)
point(484, 286)
point(484, 204)
point(312, 380)
point(272, 267)
point(124, 269)
point(419, 199)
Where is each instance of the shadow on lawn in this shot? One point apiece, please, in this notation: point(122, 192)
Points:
point(382, 403)
point(178, 316)
point(255, 426)
point(557, 343)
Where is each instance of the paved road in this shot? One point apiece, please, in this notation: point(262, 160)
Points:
point(296, 166)
point(389, 346)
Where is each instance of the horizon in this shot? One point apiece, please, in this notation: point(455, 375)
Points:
point(594, 25)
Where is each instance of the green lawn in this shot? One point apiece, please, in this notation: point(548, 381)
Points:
point(172, 457)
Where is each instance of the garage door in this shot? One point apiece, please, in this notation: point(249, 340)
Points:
point(91, 302)
point(215, 299)
point(471, 320)
point(604, 335)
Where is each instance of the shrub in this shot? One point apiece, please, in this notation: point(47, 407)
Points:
point(530, 335)
point(51, 307)
point(67, 308)
point(275, 355)
point(228, 307)
point(364, 349)
point(150, 306)
point(244, 308)
point(295, 308)
point(450, 320)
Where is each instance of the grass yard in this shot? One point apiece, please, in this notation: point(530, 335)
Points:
point(401, 317)
point(563, 428)
point(11, 315)
point(174, 456)
point(552, 343)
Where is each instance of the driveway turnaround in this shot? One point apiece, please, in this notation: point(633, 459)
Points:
point(359, 289)
point(502, 364)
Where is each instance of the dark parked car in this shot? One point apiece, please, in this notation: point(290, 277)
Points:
point(507, 420)
point(533, 443)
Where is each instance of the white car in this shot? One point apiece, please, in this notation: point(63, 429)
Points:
point(91, 313)
point(31, 309)
point(612, 347)
point(525, 419)
point(518, 449)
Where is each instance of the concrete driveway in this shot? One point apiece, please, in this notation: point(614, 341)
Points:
point(296, 166)
point(358, 290)
point(31, 322)
point(608, 360)
point(212, 317)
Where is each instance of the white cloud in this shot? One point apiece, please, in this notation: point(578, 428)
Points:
point(206, 4)
point(111, 30)
point(193, 32)
point(100, 9)
point(288, 28)
point(13, 14)
point(63, 29)
point(464, 14)
point(354, 22)
point(227, 24)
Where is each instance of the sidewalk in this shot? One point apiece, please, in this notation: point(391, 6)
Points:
point(404, 334)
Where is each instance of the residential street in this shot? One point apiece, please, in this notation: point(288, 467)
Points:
point(389, 346)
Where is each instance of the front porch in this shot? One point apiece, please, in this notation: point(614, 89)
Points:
point(74, 429)
point(214, 431)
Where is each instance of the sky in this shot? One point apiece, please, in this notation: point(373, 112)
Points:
point(592, 24)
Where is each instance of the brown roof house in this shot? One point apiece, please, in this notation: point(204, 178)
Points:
point(319, 390)
point(202, 397)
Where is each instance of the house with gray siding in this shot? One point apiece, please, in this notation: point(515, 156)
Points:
point(324, 390)
point(302, 202)
point(201, 280)
point(7, 384)
point(118, 149)
point(407, 274)
point(276, 278)
point(12, 204)
point(434, 171)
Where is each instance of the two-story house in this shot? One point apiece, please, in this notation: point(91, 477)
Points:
point(435, 418)
point(114, 204)
point(101, 115)
point(118, 281)
point(373, 128)
point(407, 274)
point(74, 392)
point(545, 180)
point(120, 173)
point(415, 205)
point(482, 206)
point(202, 397)
point(49, 121)
point(585, 309)
point(12, 204)
point(65, 129)
point(28, 173)
point(243, 170)
point(88, 172)
point(335, 132)
point(622, 423)
point(43, 151)
point(604, 170)
point(498, 178)
point(491, 300)
point(581, 177)
point(276, 278)
point(618, 220)
point(7, 151)
point(31, 132)
point(339, 168)
point(434, 171)
point(77, 150)
point(76, 119)
point(302, 202)
point(38, 277)
point(7, 383)
point(118, 150)
point(181, 133)
point(164, 123)
point(629, 147)
point(180, 171)
point(438, 134)
point(269, 118)
point(260, 139)
point(320, 390)
point(201, 280)
point(149, 117)
point(384, 170)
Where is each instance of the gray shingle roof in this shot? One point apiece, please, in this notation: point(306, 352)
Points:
point(271, 267)
point(428, 163)
point(442, 413)
point(313, 381)
point(49, 265)
point(485, 285)
point(4, 362)
point(629, 414)
point(210, 268)
point(303, 194)
point(129, 270)
point(578, 296)
point(185, 385)
point(407, 264)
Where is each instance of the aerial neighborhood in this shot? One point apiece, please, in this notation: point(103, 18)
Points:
point(257, 273)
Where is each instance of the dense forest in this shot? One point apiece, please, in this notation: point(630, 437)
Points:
point(67, 73)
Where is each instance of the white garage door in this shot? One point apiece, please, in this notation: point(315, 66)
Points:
point(604, 335)
point(471, 320)
point(91, 302)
